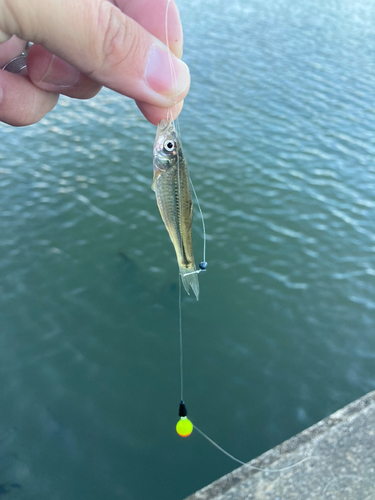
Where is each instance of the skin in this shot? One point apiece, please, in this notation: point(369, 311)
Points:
point(82, 45)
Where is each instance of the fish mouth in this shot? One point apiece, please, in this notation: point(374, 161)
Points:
point(163, 125)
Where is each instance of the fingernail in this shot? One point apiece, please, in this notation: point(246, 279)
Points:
point(60, 73)
point(161, 78)
point(1, 94)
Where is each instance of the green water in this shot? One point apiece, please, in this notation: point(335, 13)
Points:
point(278, 129)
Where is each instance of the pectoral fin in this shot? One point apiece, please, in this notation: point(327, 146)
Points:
point(156, 175)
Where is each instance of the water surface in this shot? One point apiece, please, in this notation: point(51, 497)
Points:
point(278, 129)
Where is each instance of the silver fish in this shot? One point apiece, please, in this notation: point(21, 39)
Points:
point(173, 195)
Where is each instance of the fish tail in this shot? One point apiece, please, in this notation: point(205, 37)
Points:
point(190, 279)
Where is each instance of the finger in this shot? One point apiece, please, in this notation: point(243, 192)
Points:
point(10, 49)
point(151, 14)
point(21, 103)
point(154, 114)
point(48, 72)
point(95, 37)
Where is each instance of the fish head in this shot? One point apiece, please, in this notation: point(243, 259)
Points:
point(167, 146)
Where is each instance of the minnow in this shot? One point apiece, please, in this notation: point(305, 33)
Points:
point(173, 195)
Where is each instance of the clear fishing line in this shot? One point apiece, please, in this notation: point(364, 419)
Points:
point(181, 343)
point(247, 463)
point(177, 127)
point(184, 426)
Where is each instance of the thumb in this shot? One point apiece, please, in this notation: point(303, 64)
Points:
point(98, 39)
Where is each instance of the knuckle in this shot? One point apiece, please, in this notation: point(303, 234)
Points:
point(118, 43)
point(87, 90)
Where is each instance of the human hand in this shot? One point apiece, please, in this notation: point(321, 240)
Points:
point(81, 45)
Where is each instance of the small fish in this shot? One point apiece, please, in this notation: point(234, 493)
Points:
point(173, 195)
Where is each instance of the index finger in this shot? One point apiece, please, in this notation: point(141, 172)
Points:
point(104, 43)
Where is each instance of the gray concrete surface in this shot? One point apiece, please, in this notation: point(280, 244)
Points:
point(341, 467)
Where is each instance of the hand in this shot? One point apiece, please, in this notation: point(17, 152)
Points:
point(81, 45)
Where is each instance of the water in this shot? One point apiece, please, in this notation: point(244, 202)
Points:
point(278, 130)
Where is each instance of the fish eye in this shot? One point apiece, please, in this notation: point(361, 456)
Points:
point(169, 145)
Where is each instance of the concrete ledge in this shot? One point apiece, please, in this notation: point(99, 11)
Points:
point(342, 468)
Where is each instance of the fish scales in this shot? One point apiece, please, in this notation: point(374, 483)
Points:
point(176, 210)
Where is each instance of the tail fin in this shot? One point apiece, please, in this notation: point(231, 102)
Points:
point(190, 279)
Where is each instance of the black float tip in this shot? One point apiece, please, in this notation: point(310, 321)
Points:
point(203, 266)
point(182, 411)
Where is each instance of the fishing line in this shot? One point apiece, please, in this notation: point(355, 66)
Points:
point(181, 344)
point(203, 264)
point(203, 229)
point(184, 426)
point(246, 463)
point(176, 125)
point(172, 70)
